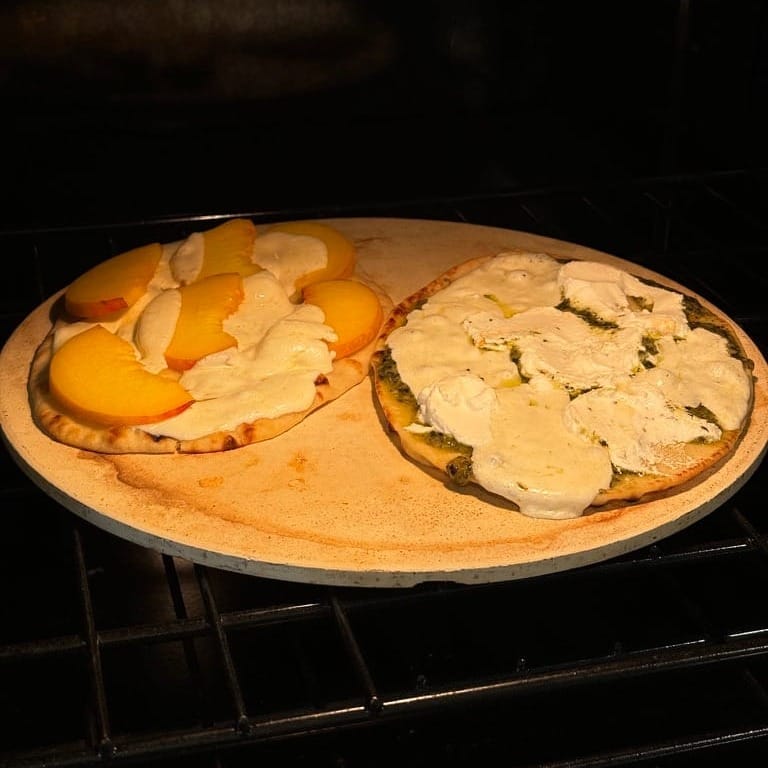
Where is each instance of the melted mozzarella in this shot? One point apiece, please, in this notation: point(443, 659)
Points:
point(433, 344)
point(431, 347)
point(534, 460)
point(460, 405)
point(264, 303)
point(636, 421)
point(273, 377)
point(289, 257)
point(187, 260)
point(560, 345)
point(706, 374)
point(286, 392)
point(123, 325)
point(155, 327)
point(605, 291)
point(511, 282)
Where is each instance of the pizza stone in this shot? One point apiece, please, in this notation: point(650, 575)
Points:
point(333, 500)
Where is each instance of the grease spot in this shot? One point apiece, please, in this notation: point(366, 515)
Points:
point(349, 416)
point(216, 481)
point(299, 462)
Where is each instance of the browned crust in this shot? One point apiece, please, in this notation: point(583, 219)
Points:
point(686, 463)
point(59, 425)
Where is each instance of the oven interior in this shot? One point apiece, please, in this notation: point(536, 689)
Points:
point(634, 129)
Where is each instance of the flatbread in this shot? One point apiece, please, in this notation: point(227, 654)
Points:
point(64, 427)
point(61, 426)
point(680, 464)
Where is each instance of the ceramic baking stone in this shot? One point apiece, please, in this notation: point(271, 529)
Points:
point(333, 501)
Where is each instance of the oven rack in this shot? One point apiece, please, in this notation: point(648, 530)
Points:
point(703, 665)
point(111, 653)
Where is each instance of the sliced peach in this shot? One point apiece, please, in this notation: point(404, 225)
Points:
point(114, 284)
point(95, 376)
point(352, 309)
point(341, 251)
point(228, 248)
point(205, 305)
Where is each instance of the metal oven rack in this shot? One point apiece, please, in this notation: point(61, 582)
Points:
point(110, 653)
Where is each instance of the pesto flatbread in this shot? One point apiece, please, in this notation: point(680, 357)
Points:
point(561, 385)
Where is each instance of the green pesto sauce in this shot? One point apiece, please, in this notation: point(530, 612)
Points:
point(696, 314)
point(649, 348)
point(619, 473)
point(440, 440)
point(387, 372)
point(702, 412)
point(638, 303)
point(587, 315)
point(699, 317)
point(459, 470)
point(514, 355)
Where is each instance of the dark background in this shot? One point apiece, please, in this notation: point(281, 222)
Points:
point(124, 110)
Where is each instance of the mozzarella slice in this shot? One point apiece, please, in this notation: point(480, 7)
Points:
point(534, 460)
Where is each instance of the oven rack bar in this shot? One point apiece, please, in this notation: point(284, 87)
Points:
point(703, 230)
point(185, 627)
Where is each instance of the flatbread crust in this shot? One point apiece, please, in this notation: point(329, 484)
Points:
point(63, 427)
point(684, 463)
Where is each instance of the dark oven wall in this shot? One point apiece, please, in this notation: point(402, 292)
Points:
point(135, 109)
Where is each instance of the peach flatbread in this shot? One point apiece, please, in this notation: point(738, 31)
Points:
point(350, 357)
point(61, 426)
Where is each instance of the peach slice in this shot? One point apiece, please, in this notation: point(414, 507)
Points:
point(95, 376)
point(114, 284)
point(341, 251)
point(352, 309)
point(228, 248)
point(205, 304)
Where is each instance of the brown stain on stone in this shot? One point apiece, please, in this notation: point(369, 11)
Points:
point(215, 481)
point(299, 462)
point(349, 416)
